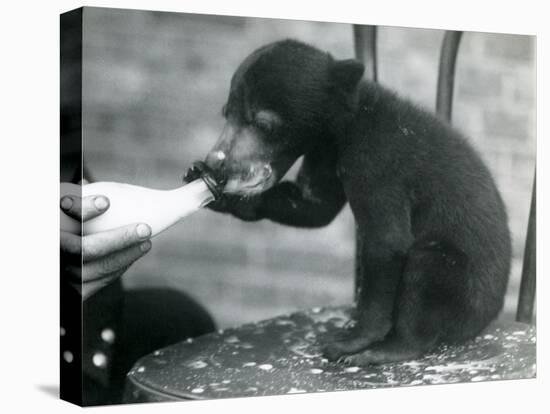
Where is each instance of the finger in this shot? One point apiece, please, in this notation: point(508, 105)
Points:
point(73, 273)
point(84, 209)
point(93, 206)
point(88, 289)
point(95, 246)
point(70, 243)
point(109, 265)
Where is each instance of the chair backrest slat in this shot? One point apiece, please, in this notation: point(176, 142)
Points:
point(526, 302)
point(446, 77)
point(365, 50)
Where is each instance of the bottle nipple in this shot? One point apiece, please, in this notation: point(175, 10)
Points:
point(214, 182)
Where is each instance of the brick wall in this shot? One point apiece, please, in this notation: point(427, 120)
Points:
point(154, 84)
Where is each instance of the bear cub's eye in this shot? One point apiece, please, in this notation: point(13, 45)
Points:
point(266, 121)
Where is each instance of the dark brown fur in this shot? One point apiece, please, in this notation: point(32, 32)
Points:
point(435, 250)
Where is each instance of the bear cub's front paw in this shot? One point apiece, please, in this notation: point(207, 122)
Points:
point(244, 208)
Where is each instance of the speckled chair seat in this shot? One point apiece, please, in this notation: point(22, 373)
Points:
point(281, 356)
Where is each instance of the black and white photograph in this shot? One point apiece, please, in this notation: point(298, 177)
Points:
point(235, 204)
point(258, 206)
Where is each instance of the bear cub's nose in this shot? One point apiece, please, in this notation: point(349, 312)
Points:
point(215, 159)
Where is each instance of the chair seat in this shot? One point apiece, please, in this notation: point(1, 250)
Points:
point(281, 356)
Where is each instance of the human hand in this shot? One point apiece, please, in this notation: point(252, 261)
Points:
point(92, 262)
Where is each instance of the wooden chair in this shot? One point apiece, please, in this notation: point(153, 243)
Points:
point(280, 355)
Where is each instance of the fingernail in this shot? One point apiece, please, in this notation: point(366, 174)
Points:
point(143, 231)
point(145, 246)
point(101, 203)
point(66, 203)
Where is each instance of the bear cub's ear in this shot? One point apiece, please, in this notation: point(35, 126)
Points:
point(347, 73)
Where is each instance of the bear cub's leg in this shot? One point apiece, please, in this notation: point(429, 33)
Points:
point(427, 305)
point(385, 231)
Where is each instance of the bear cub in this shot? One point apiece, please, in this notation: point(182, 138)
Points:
point(432, 228)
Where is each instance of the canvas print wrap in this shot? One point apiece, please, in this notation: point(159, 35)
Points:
point(266, 207)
